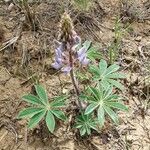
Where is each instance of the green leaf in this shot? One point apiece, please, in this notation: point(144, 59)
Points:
point(93, 54)
point(32, 99)
point(104, 83)
point(82, 131)
point(29, 112)
point(93, 126)
point(113, 97)
point(107, 76)
point(57, 104)
point(36, 119)
point(111, 114)
point(94, 92)
point(91, 99)
point(83, 97)
point(95, 70)
point(90, 108)
point(85, 123)
point(78, 126)
point(116, 84)
point(41, 93)
point(58, 101)
point(88, 130)
point(116, 75)
point(50, 121)
point(117, 105)
point(59, 114)
point(108, 92)
point(60, 98)
point(87, 44)
point(111, 69)
point(102, 67)
point(101, 117)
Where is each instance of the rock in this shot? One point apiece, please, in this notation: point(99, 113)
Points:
point(10, 7)
point(138, 39)
point(20, 136)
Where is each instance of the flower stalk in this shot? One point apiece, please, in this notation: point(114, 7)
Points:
point(74, 80)
point(68, 53)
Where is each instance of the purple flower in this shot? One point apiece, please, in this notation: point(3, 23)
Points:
point(58, 56)
point(66, 69)
point(77, 41)
point(62, 53)
point(82, 56)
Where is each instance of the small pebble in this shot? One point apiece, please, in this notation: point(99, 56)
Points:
point(138, 39)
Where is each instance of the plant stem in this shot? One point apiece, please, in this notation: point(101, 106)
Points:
point(74, 80)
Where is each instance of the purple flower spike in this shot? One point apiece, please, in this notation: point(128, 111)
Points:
point(66, 69)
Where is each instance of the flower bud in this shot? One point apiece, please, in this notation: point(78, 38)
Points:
point(66, 28)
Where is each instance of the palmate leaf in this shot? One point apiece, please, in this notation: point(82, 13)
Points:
point(94, 91)
point(92, 125)
point(36, 119)
point(95, 70)
point(85, 123)
point(111, 114)
point(32, 99)
point(82, 130)
point(93, 54)
point(102, 67)
point(90, 108)
point(29, 112)
point(50, 121)
point(116, 84)
point(59, 114)
point(111, 69)
point(104, 104)
point(58, 101)
point(42, 109)
point(101, 116)
point(107, 75)
point(117, 105)
point(116, 75)
point(41, 93)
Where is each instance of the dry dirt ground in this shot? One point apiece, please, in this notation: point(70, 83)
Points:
point(28, 56)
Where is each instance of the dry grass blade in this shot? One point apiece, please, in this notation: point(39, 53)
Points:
point(9, 43)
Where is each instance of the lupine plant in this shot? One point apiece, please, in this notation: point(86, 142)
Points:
point(70, 53)
point(107, 75)
point(41, 108)
point(85, 123)
point(103, 101)
point(96, 102)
